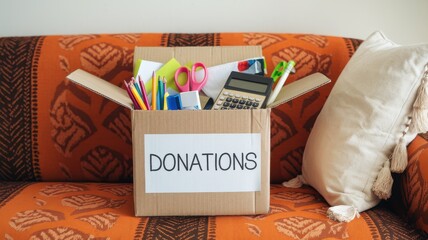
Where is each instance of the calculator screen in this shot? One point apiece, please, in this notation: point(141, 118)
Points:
point(253, 86)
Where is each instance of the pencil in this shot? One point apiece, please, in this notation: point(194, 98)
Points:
point(137, 97)
point(154, 91)
point(165, 103)
point(143, 90)
point(136, 106)
point(161, 93)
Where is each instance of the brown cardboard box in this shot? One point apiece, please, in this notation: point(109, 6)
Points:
point(199, 162)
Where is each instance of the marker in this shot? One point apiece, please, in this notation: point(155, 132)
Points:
point(281, 82)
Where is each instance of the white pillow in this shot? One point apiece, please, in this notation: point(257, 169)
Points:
point(365, 116)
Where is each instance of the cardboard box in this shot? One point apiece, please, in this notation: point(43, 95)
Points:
point(199, 162)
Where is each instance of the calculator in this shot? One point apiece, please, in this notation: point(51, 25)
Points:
point(244, 91)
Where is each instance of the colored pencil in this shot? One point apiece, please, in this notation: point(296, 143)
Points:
point(131, 96)
point(154, 91)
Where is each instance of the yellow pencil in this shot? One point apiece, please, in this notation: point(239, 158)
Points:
point(154, 91)
point(138, 97)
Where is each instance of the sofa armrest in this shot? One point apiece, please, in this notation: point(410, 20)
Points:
point(410, 191)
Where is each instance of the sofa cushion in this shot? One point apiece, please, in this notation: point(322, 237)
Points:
point(410, 191)
point(62, 132)
point(366, 115)
point(99, 211)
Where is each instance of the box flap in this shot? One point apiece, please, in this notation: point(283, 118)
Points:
point(210, 56)
point(102, 87)
point(299, 87)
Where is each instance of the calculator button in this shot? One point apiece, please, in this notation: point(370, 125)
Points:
point(238, 96)
point(239, 106)
point(226, 104)
point(216, 107)
point(233, 105)
point(258, 100)
point(219, 103)
point(249, 103)
point(221, 98)
point(229, 99)
point(231, 94)
point(255, 104)
point(245, 107)
point(251, 99)
point(235, 100)
point(226, 93)
point(244, 97)
point(242, 101)
point(224, 108)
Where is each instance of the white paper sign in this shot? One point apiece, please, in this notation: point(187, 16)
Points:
point(184, 163)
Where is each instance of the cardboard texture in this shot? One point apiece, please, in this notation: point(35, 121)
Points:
point(197, 122)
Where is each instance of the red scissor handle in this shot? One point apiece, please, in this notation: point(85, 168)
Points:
point(194, 84)
point(191, 84)
point(186, 86)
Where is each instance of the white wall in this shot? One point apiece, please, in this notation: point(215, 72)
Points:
point(404, 21)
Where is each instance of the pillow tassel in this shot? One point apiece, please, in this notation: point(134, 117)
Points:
point(343, 213)
point(383, 184)
point(295, 182)
point(399, 157)
point(420, 106)
point(420, 120)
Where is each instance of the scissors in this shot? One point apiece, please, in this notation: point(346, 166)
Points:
point(279, 70)
point(191, 83)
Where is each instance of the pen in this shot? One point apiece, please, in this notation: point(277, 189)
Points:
point(136, 106)
point(281, 82)
point(144, 93)
point(154, 91)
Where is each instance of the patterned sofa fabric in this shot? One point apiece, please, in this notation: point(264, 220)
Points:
point(57, 131)
point(66, 157)
point(59, 210)
point(410, 190)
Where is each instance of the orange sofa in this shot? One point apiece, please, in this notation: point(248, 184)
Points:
point(66, 153)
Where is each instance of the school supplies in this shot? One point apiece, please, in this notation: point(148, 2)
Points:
point(190, 100)
point(168, 71)
point(165, 103)
point(191, 82)
point(144, 93)
point(145, 68)
point(174, 102)
point(244, 91)
point(281, 82)
point(279, 70)
point(218, 74)
point(131, 96)
point(154, 91)
point(161, 93)
point(137, 97)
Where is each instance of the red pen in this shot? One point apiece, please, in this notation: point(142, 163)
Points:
point(144, 93)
